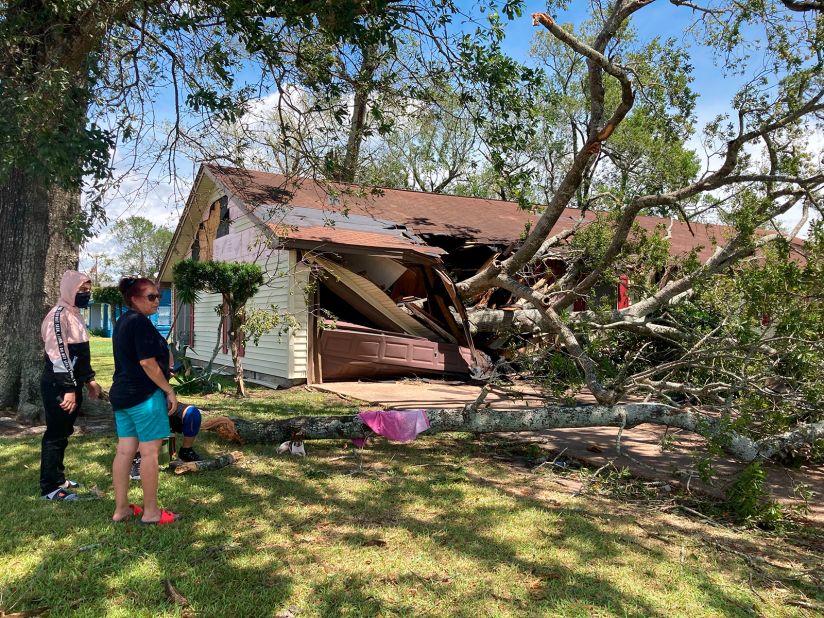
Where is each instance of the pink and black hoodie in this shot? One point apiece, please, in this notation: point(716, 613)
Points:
point(67, 359)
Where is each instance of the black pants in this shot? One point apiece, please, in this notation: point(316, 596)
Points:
point(59, 426)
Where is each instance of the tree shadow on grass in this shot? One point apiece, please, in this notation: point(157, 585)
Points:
point(457, 531)
point(268, 405)
point(346, 540)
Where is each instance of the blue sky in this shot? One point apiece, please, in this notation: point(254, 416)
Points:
point(715, 89)
point(658, 19)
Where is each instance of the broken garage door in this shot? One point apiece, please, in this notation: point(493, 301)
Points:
point(353, 351)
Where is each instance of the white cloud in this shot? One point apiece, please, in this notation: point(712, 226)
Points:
point(151, 196)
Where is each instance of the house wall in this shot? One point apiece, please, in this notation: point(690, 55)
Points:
point(279, 359)
point(96, 316)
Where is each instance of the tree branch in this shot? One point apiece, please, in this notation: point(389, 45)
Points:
point(441, 420)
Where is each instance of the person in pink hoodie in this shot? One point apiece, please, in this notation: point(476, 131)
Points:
point(67, 368)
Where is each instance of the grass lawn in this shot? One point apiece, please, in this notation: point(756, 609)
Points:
point(434, 528)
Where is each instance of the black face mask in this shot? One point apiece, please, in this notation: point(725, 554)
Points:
point(81, 299)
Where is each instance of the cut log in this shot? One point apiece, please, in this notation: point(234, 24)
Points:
point(534, 419)
point(221, 461)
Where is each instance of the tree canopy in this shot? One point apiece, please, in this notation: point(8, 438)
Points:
point(142, 246)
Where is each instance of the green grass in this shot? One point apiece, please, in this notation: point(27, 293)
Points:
point(262, 403)
point(434, 528)
point(102, 360)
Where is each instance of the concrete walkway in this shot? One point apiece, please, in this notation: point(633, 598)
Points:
point(640, 446)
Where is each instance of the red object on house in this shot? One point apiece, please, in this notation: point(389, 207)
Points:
point(765, 319)
point(224, 330)
point(580, 304)
point(623, 292)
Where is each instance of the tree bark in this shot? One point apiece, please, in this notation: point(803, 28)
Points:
point(46, 59)
point(357, 126)
point(525, 420)
point(502, 321)
point(35, 250)
point(235, 334)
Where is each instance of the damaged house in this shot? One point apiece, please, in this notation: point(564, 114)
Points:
point(366, 276)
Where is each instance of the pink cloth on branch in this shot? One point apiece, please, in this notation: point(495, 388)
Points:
point(397, 425)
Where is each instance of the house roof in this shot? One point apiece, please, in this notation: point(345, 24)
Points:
point(333, 236)
point(478, 220)
point(481, 220)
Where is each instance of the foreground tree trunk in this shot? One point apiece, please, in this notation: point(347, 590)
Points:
point(523, 420)
point(45, 69)
point(235, 342)
point(35, 251)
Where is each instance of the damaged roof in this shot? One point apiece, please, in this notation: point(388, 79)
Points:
point(377, 218)
point(333, 236)
point(475, 219)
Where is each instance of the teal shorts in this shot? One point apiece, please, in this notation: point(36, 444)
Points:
point(146, 421)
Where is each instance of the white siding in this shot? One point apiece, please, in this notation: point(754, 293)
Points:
point(271, 355)
point(206, 334)
point(299, 338)
point(280, 355)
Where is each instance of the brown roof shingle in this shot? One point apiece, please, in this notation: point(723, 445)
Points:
point(480, 220)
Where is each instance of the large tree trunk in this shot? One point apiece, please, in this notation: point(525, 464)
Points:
point(522, 420)
point(47, 58)
point(35, 251)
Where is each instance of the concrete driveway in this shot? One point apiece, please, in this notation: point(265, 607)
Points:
point(640, 446)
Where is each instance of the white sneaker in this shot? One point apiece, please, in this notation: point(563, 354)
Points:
point(134, 473)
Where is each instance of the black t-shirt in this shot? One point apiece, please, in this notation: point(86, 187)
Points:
point(135, 338)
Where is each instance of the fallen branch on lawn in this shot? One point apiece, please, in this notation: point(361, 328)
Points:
point(522, 420)
point(221, 461)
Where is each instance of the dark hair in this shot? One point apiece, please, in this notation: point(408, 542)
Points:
point(133, 286)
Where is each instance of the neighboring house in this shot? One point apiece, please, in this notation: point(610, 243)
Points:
point(378, 261)
point(98, 318)
point(101, 316)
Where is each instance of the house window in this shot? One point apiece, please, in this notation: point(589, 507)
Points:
point(196, 249)
point(223, 225)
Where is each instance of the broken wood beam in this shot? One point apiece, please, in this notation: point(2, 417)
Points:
point(430, 322)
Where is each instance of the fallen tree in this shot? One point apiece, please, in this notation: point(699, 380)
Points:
point(468, 420)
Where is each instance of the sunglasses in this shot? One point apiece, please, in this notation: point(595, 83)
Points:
point(152, 297)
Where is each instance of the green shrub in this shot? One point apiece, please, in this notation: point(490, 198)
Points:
point(750, 503)
point(197, 382)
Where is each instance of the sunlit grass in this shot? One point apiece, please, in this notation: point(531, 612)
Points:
point(262, 402)
point(407, 531)
point(433, 528)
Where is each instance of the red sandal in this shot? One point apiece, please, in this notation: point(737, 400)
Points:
point(166, 517)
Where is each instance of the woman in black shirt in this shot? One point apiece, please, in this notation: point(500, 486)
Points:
point(142, 399)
